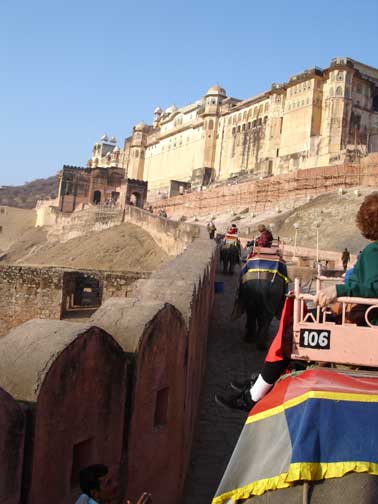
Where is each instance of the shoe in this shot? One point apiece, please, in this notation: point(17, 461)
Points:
point(241, 401)
point(240, 386)
point(246, 384)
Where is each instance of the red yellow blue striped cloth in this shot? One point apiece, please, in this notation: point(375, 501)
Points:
point(314, 425)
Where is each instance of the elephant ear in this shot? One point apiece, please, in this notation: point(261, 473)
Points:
point(238, 309)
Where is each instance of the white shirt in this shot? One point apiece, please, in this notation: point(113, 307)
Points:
point(85, 499)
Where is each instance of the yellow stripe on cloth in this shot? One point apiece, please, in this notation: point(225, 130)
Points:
point(269, 271)
point(312, 394)
point(301, 471)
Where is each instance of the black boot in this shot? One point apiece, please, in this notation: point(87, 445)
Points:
point(246, 384)
point(239, 401)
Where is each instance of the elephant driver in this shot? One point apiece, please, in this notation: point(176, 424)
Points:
point(363, 282)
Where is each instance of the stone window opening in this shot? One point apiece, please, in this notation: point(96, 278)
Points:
point(211, 124)
point(161, 408)
point(375, 103)
point(2, 210)
point(339, 91)
point(97, 197)
point(1, 229)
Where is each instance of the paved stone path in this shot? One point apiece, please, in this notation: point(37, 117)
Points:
point(218, 428)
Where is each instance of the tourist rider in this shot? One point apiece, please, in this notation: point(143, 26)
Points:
point(265, 237)
point(100, 486)
point(362, 282)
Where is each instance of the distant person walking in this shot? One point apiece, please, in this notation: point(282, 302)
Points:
point(211, 229)
point(345, 258)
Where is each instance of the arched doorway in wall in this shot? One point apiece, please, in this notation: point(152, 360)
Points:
point(97, 197)
point(136, 199)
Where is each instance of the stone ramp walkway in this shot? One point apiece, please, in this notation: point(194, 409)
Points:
point(218, 429)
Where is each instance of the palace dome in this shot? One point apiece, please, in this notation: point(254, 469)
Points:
point(140, 126)
point(171, 109)
point(216, 90)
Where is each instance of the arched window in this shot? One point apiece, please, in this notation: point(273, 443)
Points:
point(211, 124)
point(340, 76)
point(339, 91)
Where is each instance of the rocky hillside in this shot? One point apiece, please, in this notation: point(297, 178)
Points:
point(26, 195)
point(334, 213)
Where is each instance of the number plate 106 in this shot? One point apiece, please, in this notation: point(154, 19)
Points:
point(315, 338)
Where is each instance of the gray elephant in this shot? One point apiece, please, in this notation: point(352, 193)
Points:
point(261, 295)
point(230, 255)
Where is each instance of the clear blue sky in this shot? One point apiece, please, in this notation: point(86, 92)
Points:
point(72, 70)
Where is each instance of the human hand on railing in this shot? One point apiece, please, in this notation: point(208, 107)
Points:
point(326, 296)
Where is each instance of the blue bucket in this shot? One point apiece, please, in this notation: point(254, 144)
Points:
point(218, 287)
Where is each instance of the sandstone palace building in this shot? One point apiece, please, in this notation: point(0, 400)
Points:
point(318, 117)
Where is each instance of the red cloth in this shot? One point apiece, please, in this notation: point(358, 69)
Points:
point(232, 230)
point(280, 347)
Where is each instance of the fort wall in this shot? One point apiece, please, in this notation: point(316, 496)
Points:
point(142, 358)
point(28, 292)
point(173, 237)
point(260, 195)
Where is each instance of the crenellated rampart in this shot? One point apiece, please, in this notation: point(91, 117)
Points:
point(122, 388)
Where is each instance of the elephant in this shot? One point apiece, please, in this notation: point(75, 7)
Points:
point(353, 488)
point(261, 295)
point(229, 256)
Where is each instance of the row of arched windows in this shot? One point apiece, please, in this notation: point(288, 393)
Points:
point(247, 114)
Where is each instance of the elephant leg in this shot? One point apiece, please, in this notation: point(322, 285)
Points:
point(224, 262)
point(231, 267)
point(263, 324)
point(251, 326)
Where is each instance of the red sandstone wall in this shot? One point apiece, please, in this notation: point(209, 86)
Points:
point(79, 416)
point(202, 307)
point(12, 438)
point(157, 431)
point(260, 195)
